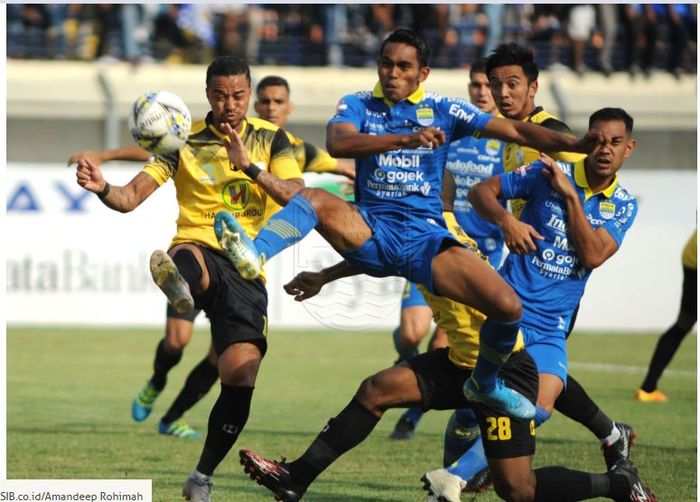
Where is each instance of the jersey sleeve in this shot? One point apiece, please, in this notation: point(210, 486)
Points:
point(317, 160)
point(521, 183)
point(466, 119)
point(624, 217)
point(349, 109)
point(162, 167)
point(283, 164)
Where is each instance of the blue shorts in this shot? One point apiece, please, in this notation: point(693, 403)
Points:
point(412, 297)
point(548, 350)
point(403, 248)
point(492, 248)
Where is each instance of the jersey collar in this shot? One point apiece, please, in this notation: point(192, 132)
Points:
point(580, 178)
point(414, 98)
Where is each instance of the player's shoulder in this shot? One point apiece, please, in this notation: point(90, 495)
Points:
point(622, 194)
point(545, 119)
point(261, 124)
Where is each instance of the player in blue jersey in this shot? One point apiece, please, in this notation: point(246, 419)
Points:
point(399, 135)
point(574, 218)
point(469, 160)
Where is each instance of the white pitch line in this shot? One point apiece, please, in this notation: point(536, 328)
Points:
point(618, 368)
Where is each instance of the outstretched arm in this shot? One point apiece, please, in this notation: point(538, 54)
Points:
point(306, 285)
point(98, 157)
point(280, 190)
point(538, 137)
point(120, 198)
point(344, 141)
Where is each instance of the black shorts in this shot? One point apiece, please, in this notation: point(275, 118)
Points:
point(689, 299)
point(440, 382)
point(236, 307)
point(187, 316)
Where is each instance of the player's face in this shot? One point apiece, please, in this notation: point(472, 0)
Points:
point(229, 96)
point(480, 93)
point(514, 96)
point(399, 71)
point(273, 104)
point(607, 157)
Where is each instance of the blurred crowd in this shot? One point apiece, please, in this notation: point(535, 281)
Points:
point(638, 38)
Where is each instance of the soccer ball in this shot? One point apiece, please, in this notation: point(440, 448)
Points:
point(160, 122)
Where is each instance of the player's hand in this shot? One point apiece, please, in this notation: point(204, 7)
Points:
point(305, 285)
point(237, 154)
point(590, 141)
point(97, 158)
point(429, 137)
point(520, 237)
point(560, 181)
point(89, 176)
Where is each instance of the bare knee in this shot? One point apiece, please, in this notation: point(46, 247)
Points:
point(515, 493)
point(316, 196)
point(513, 478)
point(415, 323)
point(371, 396)
point(178, 333)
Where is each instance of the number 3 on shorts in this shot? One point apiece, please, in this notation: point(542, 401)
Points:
point(498, 429)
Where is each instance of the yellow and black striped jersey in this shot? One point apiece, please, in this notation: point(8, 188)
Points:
point(461, 323)
point(515, 155)
point(310, 158)
point(206, 183)
point(690, 252)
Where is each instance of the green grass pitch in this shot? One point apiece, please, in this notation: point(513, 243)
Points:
point(69, 394)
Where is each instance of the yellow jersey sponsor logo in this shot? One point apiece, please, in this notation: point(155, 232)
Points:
point(236, 195)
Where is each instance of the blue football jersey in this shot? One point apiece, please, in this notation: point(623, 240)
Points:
point(551, 280)
point(472, 160)
point(406, 183)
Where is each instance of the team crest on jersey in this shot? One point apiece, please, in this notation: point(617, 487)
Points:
point(607, 210)
point(425, 116)
point(493, 146)
point(236, 195)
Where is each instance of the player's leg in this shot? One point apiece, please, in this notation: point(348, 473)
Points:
point(461, 275)
point(178, 331)
point(616, 439)
point(237, 310)
point(393, 387)
point(197, 385)
point(416, 318)
point(337, 220)
point(669, 342)
point(180, 274)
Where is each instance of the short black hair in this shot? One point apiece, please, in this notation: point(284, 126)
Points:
point(513, 54)
point(409, 37)
point(227, 66)
point(478, 66)
point(607, 114)
point(272, 81)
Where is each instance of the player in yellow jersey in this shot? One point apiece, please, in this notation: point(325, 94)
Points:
point(513, 76)
point(212, 172)
point(670, 341)
point(272, 104)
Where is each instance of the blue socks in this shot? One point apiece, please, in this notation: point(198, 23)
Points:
point(541, 416)
point(462, 433)
point(287, 227)
point(497, 341)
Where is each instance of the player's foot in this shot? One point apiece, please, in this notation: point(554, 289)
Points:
point(442, 486)
point(479, 482)
point(271, 474)
point(638, 491)
point(237, 245)
point(620, 449)
point(404, 429)
point(655, 396)
point(502, 398)
point(142, 405)
point(179, 429)
point(197, 488)
point(167, 277)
